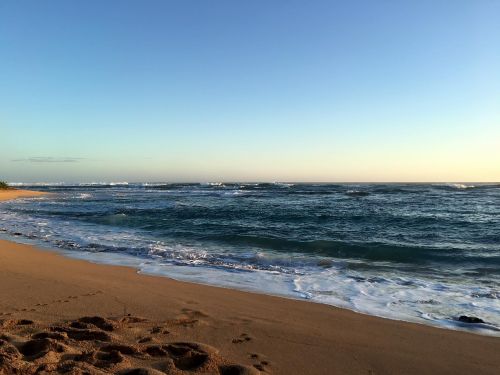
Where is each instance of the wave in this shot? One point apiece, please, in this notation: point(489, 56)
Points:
point(171, 186)
point(401, 189)
point(379, 252)
point(463, 186)
point(457, 186)
point(357, 193)
point(84, 196)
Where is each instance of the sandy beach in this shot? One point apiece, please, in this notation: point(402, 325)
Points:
point(18, 193)
point(59, 314)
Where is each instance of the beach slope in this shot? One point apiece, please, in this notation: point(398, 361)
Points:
point(120, 319)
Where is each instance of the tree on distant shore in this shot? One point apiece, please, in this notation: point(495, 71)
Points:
point(3, 185)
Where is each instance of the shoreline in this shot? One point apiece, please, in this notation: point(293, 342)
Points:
point(132, 262)
point(294, 337)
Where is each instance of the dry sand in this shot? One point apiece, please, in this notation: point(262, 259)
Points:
point(65, 315)
point(17, 193)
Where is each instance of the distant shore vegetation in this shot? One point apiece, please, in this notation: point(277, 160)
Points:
point(4, 185)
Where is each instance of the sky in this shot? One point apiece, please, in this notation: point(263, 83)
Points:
point(259, 90)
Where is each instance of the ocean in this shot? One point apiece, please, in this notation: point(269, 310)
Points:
point(426, 253)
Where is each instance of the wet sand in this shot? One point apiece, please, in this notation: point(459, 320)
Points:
point(59, 314)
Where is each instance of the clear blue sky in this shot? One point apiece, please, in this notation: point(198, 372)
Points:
point(250, 90)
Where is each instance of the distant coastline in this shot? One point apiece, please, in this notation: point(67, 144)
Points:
point(6, 194)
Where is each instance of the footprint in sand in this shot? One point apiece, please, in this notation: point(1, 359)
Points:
point(194, 313)
point(97, 345)
point(122, 348)
point(262, 363)
point(90, 294)
point(141, 371)
point(157, 330)
point(193, 357)
point(132, 319)
point(99, 322)
point(24, 310)
point(238, 370)
point(61, 336)
point(143, 340)
point(244, 337)
point(40, 347)
point(188, 318)
point(259, 367)
point(184, 322)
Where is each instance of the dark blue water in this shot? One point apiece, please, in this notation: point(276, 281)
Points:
point(426, 253)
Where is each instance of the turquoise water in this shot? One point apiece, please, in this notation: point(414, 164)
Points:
point(417, 252)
